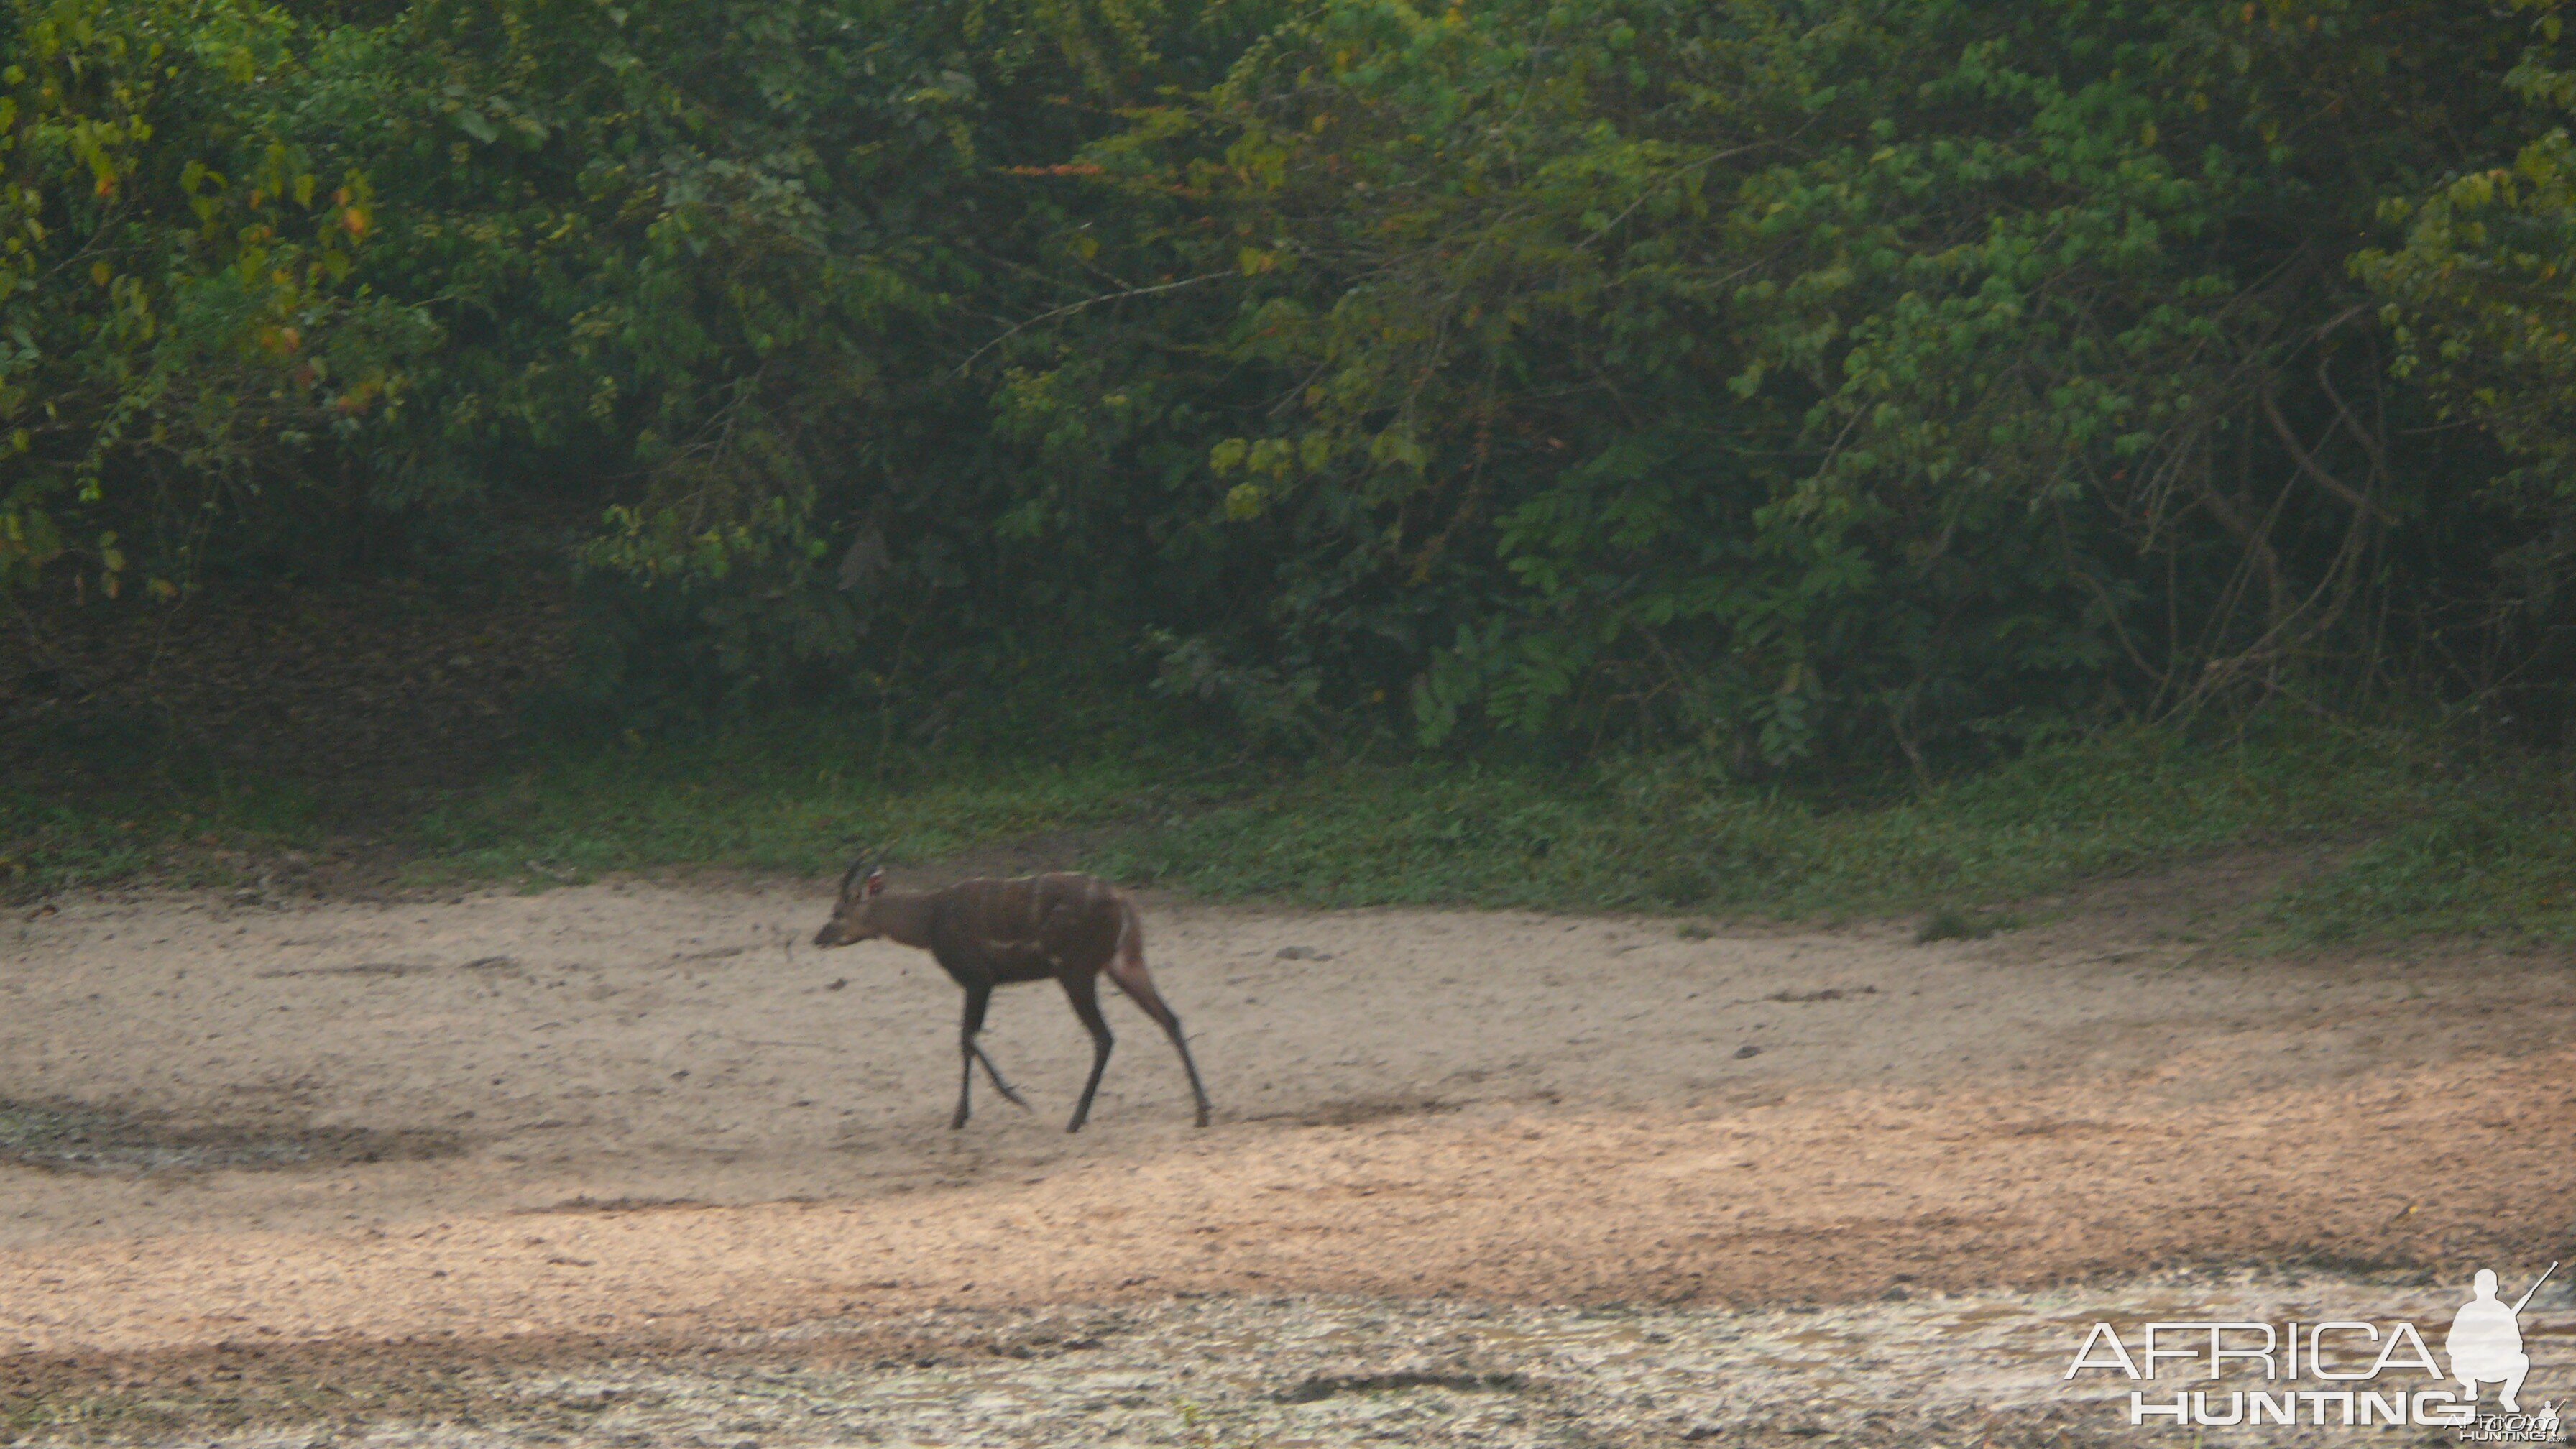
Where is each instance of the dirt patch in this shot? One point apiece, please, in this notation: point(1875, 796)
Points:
point(1829, 993)
point(1324, 1386)
point(83, 1137)
point(677, 1132)
point(2198, 901)
point(1351, 1114)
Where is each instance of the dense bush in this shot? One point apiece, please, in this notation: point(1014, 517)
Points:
point(1809, 379)
point(181, 324)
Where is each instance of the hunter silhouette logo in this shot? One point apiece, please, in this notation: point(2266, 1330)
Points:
point(2486, 1348)
point(2486, 1341)
point(2363, 1373)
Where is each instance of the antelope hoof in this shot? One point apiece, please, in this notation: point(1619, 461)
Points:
point(1203, 1117)
point(957, 1123)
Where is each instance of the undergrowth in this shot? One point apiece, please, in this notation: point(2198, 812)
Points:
point(2433, 838)
point(2440, 846)
point(1661, 834)
point(178, 828)
point(2483, 864)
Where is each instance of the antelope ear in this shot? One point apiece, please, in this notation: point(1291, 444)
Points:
point(875, 881)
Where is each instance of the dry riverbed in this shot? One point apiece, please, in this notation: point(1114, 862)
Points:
point(635, 1164)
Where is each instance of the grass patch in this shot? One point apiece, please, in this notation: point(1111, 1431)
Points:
point(1660, 835)
point(176, 830)
point(1949, 923)
point(799, 793)
point(2484, 865)
point(48, 846)
point(1133, 796)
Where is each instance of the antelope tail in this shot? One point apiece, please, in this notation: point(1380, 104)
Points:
point(1131, 935)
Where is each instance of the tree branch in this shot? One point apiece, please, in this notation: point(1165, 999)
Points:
point(1070, 308)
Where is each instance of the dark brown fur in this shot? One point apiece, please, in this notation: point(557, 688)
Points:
point(986, 933)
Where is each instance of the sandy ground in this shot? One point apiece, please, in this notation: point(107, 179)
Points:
point(507, 1141)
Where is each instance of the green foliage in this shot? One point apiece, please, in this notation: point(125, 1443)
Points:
point(2483, 292)
point(2479, 302)
point(179, 829)
point(52, 846)
point(2480, 865)
point(1659, 835)
point(1796, 382)
point(180, 322)
point(807, 791)
point(1154, 802)
point(1800, 376)
point(2420, 838)
point(1253, 699)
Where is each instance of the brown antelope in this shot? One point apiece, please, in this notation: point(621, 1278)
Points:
point(987, 933)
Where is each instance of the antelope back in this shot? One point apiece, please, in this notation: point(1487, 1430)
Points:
point(1071, 921)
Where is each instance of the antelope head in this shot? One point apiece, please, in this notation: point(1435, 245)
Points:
point(854, 919)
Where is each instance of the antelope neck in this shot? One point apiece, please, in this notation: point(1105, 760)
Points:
point(904, 916)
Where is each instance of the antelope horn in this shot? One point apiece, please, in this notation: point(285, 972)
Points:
point(858, 868)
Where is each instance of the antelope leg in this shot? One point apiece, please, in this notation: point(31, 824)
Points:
point(1131, 978)
point(995, 1073)
point(977, 998)
point(1083, 990)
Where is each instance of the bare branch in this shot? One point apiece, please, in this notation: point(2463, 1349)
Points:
point(1070, 308)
